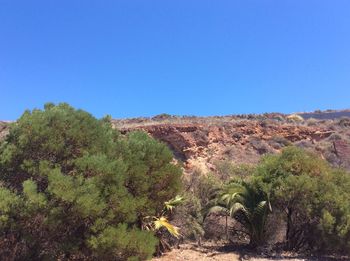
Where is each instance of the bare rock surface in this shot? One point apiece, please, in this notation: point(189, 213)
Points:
point(201, 142)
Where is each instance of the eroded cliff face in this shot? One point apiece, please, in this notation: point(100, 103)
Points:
point(192, 140)
point(245, 141)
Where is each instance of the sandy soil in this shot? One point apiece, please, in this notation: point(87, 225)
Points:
point(210, 252)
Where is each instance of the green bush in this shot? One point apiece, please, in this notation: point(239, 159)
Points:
point(204, 186)
point(190, 217)
point(201, 188)
point(228, 169)
point(73, 187)
point(314, 196)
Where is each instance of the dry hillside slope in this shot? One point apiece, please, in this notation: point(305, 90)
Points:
point(202, 142)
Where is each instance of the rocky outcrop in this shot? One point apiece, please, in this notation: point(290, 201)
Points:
point(243, 141)
point(3, 129)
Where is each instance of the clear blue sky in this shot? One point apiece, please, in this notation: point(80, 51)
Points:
point(195, 57)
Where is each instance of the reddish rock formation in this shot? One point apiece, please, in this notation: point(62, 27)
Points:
point(245, 140)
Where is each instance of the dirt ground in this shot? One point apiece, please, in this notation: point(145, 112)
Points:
point(211, 252)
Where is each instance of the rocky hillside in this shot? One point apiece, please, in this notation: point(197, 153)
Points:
point(205, 143)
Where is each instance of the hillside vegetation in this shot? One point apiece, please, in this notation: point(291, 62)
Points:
point(73, 187)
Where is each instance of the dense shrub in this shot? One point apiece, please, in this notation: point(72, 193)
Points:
point(204, 186)
point(73, 187)
point(308, 197)
point(314, 196)
point(260, 146)
point(201, 188)
point(277, 142)
point(189, 217)
point(228, 169)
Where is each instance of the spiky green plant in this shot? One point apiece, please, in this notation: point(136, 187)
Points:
point(246, 203)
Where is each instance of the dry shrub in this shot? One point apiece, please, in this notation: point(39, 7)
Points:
point(260, 146)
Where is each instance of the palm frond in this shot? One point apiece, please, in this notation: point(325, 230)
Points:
point(261, 207)
point(163, 222)
point(249, 205)
point(171, 204)
point(217, 209)
point(228, 197)
point(236, 207)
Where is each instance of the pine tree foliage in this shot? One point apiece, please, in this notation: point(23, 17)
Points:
point(73, 187)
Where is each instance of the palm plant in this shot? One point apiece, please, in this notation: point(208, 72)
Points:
point(246, 203)
point(159, 222)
